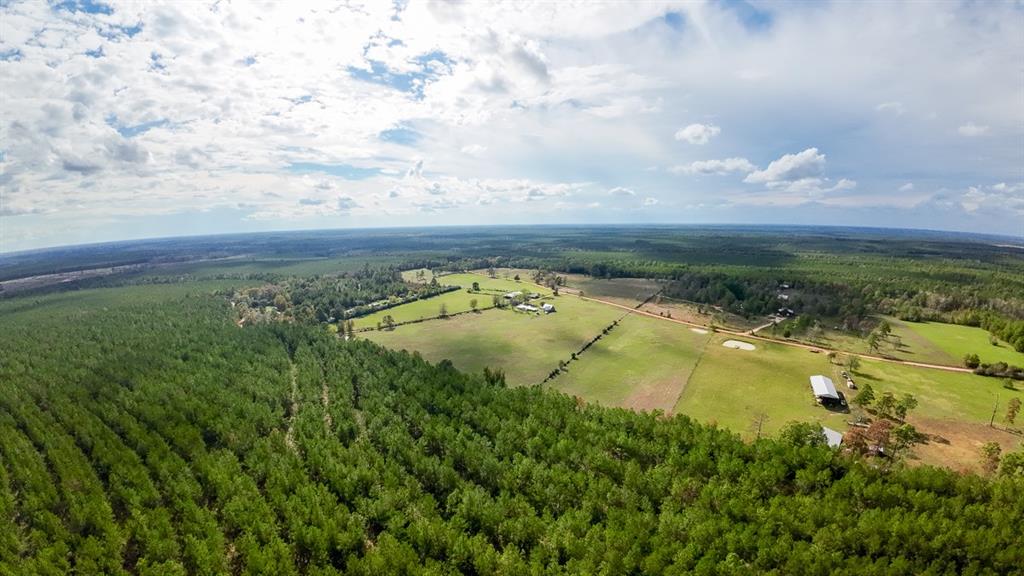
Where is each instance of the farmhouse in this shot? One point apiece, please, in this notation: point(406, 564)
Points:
point(824, 390)
point(512, 295)
point(527, 308)
point(549, 308)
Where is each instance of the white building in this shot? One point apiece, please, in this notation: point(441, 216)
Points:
point(823, 388)
point(833, 437)
point(527, 308)
point(549, 308)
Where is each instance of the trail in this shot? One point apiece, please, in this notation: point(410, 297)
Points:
point(289, 437)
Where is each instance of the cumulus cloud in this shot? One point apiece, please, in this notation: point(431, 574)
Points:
point(721, 167)
point(971, 130)
point(699, 134)
point(806, 165)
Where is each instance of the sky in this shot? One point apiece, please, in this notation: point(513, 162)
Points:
point(124, 120)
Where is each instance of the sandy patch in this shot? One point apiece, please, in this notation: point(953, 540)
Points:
point(738, 345)
point(699, 330)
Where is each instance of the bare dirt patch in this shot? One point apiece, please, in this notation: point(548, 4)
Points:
point(957, 445)
point(699, 330)
point(739, 345)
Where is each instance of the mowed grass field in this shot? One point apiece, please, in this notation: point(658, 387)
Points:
point(733, 387)
point(643, 364)
point(526, 346)
point(458, 301)
point(957, 341)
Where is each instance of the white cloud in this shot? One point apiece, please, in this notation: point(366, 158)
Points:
point(908, 187)
point(806, 165)
point(723, 166)
point(649, 201)
point(620, 191)
point(215, 105)
point(699, 134)
point(972, 130)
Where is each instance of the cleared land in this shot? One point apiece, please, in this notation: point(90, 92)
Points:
point(648, 363)
point(955, 407)
point(929, 342)
point(643, 363)
point(733, 388)
point(628, 291)
point(526, 346)
point(454, 302)
point(957, 341)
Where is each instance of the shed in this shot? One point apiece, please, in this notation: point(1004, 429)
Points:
point(549, 308)
point(832, 437)
point(526, 308)
point(823, 388)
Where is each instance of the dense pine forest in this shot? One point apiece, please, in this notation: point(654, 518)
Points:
point(143, 432)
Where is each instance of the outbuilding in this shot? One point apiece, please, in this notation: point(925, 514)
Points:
point(549, 308)
point(527, 308)
point(832, 437)
point(824, 390)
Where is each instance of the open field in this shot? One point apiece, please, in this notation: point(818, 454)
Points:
point(957, 341)
point(732, 387)
point(954, 406)
point(628, 291)
point(458, 301)
point(647, 363)
point(643, 363)
point(413, 275)
point(929, 342)
point(526, 346)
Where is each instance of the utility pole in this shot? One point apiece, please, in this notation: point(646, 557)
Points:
point(995, 407)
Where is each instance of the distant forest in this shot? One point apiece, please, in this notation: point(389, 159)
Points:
point(840, 274)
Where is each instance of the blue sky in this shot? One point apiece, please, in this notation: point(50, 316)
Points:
point(123, 120)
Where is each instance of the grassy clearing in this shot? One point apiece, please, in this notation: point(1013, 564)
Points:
point(954, 407)
point(942, 395)
point(732, 387)
point(526, 346)
point(412, 276)
point(957, 341)
point(628, 291)
point(907, 344)
point(455, 302)
point(643, 363)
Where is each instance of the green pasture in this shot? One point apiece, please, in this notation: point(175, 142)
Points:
point(455, 302)
point(733, 387)
point(942, 395)
point(957, 341)
point(643, 363)
point(526, 346)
